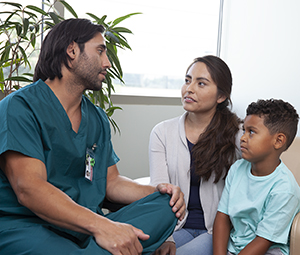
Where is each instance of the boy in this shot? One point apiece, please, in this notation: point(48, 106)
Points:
point(261, 196)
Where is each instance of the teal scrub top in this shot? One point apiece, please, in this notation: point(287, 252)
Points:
point(34, 123)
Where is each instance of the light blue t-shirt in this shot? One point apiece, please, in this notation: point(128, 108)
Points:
point(259, 205)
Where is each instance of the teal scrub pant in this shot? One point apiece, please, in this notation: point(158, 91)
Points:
point(152, 214)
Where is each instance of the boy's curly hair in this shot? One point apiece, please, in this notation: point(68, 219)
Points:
point(279, 117)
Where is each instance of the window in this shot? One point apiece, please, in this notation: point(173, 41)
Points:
point(167, 36)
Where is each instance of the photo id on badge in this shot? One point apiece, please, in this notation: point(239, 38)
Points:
point(89, 164)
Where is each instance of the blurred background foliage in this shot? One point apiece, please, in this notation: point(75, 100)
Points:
point(22, 28)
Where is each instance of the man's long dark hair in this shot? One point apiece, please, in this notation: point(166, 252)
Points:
point(54, 47)
point(216, 147)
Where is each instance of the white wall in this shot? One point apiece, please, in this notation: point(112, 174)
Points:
point(136, 122)
point(260, 43)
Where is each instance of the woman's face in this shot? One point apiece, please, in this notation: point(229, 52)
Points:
point(200, 93)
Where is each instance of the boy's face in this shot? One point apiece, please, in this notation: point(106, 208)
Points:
point(257, 144)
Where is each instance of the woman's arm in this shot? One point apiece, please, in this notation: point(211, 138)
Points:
point(157, 158)
point(221, 231)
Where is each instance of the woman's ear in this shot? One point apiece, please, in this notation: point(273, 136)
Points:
point(221, 99)
point(280, 141)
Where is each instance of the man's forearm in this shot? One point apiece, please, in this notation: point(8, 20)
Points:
point(124, 190)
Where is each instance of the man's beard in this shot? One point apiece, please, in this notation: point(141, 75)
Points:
point(87, 74)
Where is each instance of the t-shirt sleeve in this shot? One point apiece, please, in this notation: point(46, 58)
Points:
point(19, 129)
point(281, 207)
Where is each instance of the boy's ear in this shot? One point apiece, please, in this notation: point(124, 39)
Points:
point(280, 141)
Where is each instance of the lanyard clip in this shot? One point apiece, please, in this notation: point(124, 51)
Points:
point(94, 146)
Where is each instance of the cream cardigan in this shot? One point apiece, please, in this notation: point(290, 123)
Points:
point(169, 159)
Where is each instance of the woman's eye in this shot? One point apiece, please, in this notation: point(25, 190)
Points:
point(201, 84)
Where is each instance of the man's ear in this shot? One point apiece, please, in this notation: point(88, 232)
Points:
point(280, 141)
point(72, 50)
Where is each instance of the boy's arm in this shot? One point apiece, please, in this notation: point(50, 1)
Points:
point(259, 246)
point(221, 231)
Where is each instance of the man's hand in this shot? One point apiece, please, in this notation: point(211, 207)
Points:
point(177, 201)
point(120, 238)
point(166, 248)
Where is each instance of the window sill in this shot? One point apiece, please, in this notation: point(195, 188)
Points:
point(144, 100)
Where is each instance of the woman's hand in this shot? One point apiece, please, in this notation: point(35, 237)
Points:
point(177, 198)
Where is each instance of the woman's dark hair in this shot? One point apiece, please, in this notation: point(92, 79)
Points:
point(216, 147)
point(54, 47)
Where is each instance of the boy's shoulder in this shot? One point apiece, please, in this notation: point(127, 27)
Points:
point(285, 180)
point(282, 178)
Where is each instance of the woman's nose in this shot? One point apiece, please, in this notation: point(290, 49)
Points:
point(190, 87)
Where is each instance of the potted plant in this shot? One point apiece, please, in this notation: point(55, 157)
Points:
point(22, 26)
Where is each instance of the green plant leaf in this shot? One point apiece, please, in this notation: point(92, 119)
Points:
point(24, 56)
point(115, 60)
point(69, 8)
point(37, 9)
point(1, 77)
point(111, 110)
point(28, 74)
point(13, 4)
point(120, 19)
point(5, 63)
point(37, 28)
point(25, 26)
point(9, 17)
point(99, 21)
point(122, 30)
point(18, 29)
point(115, 75)
point(30, 14)
point(6, 51)
point(33, 39)
point(50, 24)
point(54, 17)
point(110, 35)
point(124, 43)
point(114, 125)
point(18, 78)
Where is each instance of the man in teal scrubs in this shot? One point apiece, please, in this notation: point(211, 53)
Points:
point(57, 163)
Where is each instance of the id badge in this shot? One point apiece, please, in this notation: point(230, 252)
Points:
point(89, 164)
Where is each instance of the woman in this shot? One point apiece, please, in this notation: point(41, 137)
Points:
point(195, 151)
